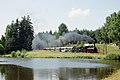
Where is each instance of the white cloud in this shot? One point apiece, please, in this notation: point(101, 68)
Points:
point(78, 12)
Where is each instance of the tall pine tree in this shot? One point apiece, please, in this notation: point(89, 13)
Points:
point(19, 35)
point(26, 33)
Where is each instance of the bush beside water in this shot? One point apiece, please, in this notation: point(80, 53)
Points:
point(19, 54)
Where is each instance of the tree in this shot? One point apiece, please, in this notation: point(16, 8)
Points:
point(76, 30)
point(112, 27)
point(2, 40)
point(11, 37)
point(2, 45)
point(26, 33)
point(98, 35)
point(1, 49)
point(50, 32)
point(19, 35)
point(62, 29)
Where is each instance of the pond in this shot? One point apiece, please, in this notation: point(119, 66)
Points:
point(55, 69)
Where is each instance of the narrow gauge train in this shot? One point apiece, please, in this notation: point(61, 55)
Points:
point(85, 49)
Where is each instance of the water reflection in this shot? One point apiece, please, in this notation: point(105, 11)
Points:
point(13, 72)
point(72, 74)
point(17, 72)
point(65, 74)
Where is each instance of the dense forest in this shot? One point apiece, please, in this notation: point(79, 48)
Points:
point(20, 34)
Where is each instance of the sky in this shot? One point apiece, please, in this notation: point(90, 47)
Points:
point(47, 15)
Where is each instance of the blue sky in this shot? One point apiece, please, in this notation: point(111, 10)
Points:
point(49, 14)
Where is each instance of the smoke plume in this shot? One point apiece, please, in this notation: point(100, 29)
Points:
point(44, 40)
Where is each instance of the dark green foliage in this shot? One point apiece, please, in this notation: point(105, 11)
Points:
point(19, 35)
point(1, 49)
point(2, 41)
point(62, 29)
point(2, 45)
point(12, 37)
point(98, 35)
point(26, 33)
point(50, 32)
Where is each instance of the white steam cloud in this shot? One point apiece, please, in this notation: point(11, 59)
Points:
point(45, 40)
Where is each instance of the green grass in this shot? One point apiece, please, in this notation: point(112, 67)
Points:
point(56, 54)
point(113, 53)
point(111, 48)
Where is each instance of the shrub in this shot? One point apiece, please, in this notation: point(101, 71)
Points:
point(23, 53)
point(19, 54)
point(113, 56)
point(13, 54)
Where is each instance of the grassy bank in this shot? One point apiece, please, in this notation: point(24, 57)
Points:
point(109, 52)
point(56, 54)
point(115, 76)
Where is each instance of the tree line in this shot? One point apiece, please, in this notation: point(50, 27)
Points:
point(20, 33)
point(18, 36)
point(108, 33)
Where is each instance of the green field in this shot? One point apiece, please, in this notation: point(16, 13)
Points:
point(56, 54)
point(111, 52)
